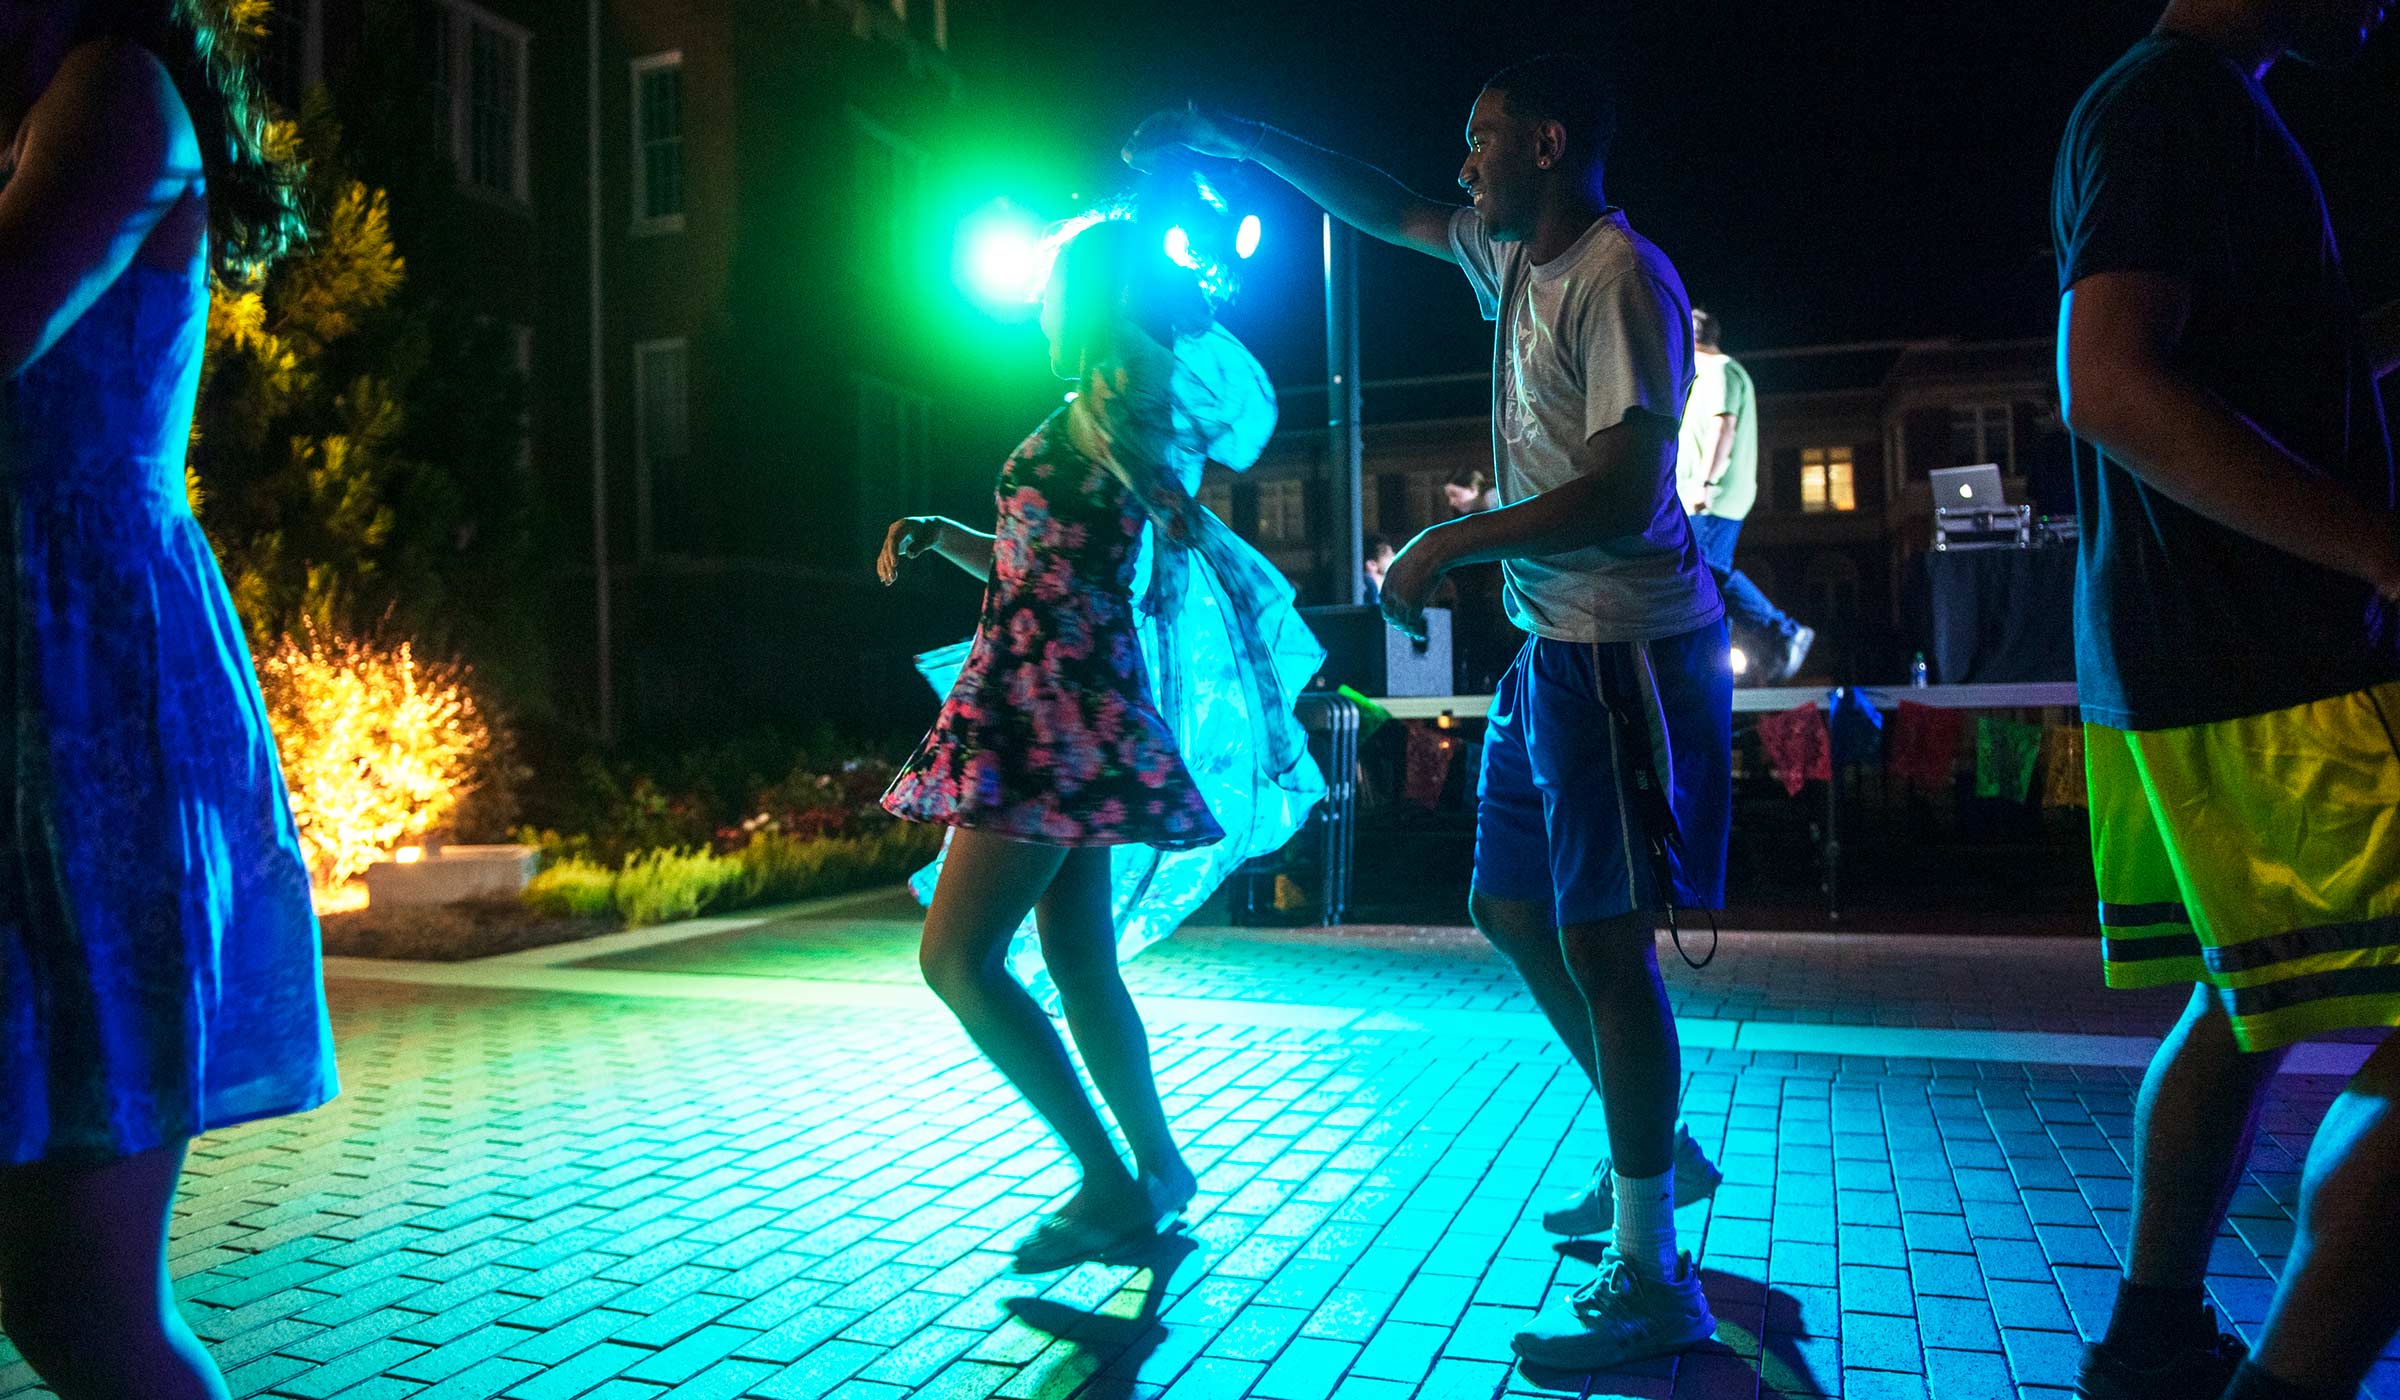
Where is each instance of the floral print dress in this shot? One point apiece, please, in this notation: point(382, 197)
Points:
point(1049, 733)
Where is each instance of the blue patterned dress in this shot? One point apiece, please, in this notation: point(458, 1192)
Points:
point(159, 971)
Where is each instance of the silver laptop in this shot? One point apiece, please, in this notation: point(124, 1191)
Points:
point(1967, 488)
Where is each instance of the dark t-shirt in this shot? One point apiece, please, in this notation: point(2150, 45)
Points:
point(2176, 163)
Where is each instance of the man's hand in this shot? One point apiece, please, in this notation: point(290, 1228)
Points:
point(1408, 584)
point(1207, 133)
point(910, 536)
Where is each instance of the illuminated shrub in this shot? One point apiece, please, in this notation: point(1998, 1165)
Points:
point(378, 748)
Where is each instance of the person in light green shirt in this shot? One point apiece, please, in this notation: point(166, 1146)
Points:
point(1716, 474)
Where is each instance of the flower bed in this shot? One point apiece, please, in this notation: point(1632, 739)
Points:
point(647, 854)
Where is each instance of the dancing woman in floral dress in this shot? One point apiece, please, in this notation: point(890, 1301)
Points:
point(1051, 751)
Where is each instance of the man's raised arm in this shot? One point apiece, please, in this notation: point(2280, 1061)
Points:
point(1351, 190)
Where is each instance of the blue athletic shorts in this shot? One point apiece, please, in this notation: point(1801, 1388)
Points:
point(1607, 780)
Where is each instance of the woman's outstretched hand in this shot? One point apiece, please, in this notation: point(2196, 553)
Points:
point(1208, 133)
point(910, 536)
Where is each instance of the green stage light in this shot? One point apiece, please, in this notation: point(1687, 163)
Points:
point(1002, 260)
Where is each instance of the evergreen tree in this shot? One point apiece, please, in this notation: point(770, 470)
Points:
point(358, 454)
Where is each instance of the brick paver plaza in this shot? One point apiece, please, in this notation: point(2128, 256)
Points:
point(762, 1162)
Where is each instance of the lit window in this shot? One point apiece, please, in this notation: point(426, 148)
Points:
point(1218, 497)
point(662, 445)
point(1828, 479)
point(1283, 511)
point(1980, 433)
point(478, 69)
point(658, 143)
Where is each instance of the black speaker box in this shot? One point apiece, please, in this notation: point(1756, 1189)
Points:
point(1365, 654)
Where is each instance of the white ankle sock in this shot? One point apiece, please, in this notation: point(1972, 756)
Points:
point(1646, 1223)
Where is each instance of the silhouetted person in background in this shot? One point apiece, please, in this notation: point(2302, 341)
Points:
point(1716, 473)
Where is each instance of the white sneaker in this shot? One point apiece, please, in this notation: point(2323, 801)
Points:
point(1594, 1212)
point(1619, 1317)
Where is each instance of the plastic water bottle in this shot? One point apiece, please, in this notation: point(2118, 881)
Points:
point(1916, 672)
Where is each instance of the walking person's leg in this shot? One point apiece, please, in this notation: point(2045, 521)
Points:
point(1514, 907)
point(2238, 853)
point(988, 885)
point(1526, 933)
point(1746, 604)
point(2338, 1304)
point(1079, 947)
point(84, 1291)
point(2194, 1121)
point(1607, 832)
point(1615, 963)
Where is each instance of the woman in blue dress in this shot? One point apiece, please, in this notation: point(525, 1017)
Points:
point(1119, 733)
point(159, 971)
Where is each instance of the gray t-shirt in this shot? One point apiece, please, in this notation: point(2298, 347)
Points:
point(1593, 337)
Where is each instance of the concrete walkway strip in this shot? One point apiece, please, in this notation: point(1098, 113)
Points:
point(659, 935)
point(558, 968)
point(512, 973)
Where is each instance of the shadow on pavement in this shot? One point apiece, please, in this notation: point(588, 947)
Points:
point(1114, 1346)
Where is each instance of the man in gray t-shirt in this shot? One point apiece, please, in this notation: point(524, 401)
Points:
point(1606, 787)
point(1587, 340)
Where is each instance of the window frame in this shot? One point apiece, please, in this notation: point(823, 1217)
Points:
point(1284, 492)
point(644, 475)
point(643, 223)
point(1983, 409)
point(460, 17)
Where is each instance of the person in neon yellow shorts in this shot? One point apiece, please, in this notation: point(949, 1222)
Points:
point(2238, 659)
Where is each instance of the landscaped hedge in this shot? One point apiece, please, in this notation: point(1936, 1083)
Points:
point(772, 867)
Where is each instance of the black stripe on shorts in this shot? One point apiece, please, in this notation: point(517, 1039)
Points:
point(2142, 915)
point(2316, 986)
point(2133, 950)
point(2303, 943)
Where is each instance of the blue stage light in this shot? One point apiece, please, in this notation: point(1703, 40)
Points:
point(1245, 240)
point(1179, 249)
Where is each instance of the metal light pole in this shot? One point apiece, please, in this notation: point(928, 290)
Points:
point(1344, 448)
point(605, 678)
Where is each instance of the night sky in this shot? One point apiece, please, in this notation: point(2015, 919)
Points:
point(1818, 172)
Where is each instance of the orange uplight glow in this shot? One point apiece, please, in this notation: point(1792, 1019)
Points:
point(377, 748)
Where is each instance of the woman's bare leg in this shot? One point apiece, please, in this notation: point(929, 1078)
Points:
point(987, 886)
point(84, 1291)
point(1079, 945)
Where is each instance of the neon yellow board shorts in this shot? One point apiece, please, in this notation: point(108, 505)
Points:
point(2260, 857)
